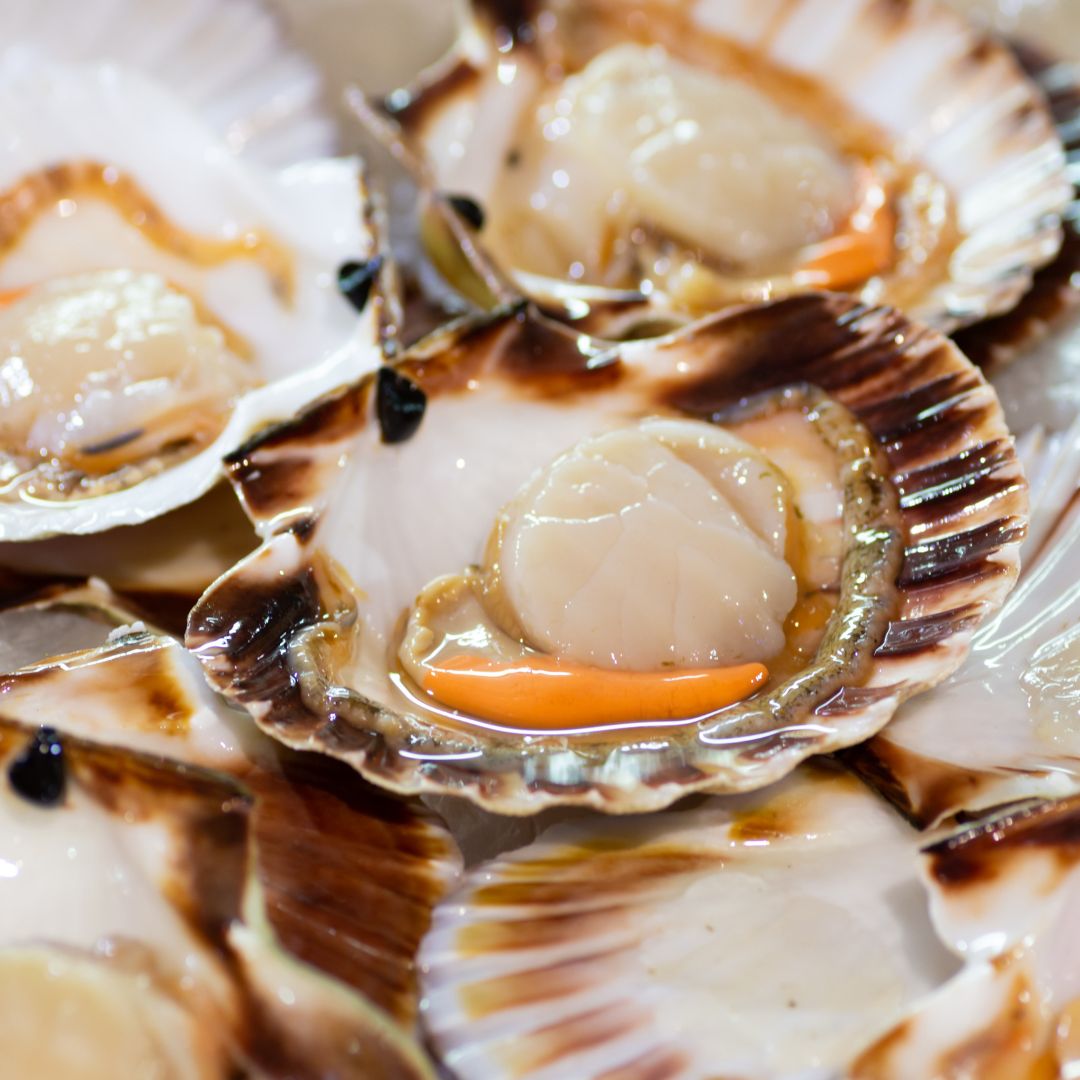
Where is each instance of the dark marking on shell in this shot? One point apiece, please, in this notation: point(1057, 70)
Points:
point(983, 853)
point(924, 790)
point(357, 279)
point(414, 107)
point(315, 822)
point(960, 556)
point(904, 638)
point(399, 404)
point(39, 774)
point(513, 18)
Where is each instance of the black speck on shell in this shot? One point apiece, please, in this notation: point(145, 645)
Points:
point(469, 210)
point(355, 280)
point(399, 404)
point(38, 774)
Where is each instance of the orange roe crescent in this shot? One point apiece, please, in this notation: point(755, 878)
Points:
point(545, 694)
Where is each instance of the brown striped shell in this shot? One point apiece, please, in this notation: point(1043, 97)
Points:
point(507, 393)
point(1005, 726)
point(306, 820)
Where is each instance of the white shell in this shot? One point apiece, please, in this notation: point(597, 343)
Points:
point(317, 210)
point(792, 934)
point(227, 59)
point(951, 97)
point(765, 936)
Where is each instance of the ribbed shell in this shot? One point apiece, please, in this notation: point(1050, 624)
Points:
point(952, 97)
point(950, 458)
point(308, 822)
point(228, 59)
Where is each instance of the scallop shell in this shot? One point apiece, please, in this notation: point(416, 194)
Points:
point(771, 935)
point(334, 505)
point(59, 117)
point(795, 932)
point(140, 876)
point(1054, 295)
point(1005, 727)
point(310, 821)
point(954, 99)
point(1005, 896)
point(229, 61)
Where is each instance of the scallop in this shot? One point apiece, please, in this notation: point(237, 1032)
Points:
point(641, 165)
point(132, 914)
point(1004, 897)
point(531, 570)
point(80, 657)
point(777, 934)
point(161, 301)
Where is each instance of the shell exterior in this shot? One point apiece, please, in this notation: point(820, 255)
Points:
point(258, 630)
point(1004, 896)
point(749, 937)
point(1045, 309)
point(228, 61)
point(955, 99)
point(675, 946)
point(318, 211)
point(1004, 727)
point(309, 821)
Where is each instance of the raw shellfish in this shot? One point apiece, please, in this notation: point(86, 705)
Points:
point(906, 504)
point(163, 300)
point(703, 155)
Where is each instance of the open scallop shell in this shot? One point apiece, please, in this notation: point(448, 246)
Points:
point(771, 935)
point(78, 658)
point(952, 98)
point(335, 505)
point(227, 60)
point(132, 908)
point(1006, 726)
point(59, 119)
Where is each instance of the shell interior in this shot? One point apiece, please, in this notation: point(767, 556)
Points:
point(286, 635)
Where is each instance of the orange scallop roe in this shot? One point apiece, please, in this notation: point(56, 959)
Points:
point(546, 694)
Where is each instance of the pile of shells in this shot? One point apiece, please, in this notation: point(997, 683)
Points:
point(606, 611)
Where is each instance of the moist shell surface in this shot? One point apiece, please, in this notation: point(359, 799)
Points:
point(274, 634)
point(946, 96)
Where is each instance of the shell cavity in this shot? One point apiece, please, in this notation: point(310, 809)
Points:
point(925, 492)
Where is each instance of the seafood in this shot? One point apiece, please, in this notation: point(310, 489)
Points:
point(156, 314)
point(640, 164)
point(754, 936)
point(78, 657)
point(811, 439)
point(133, 939)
